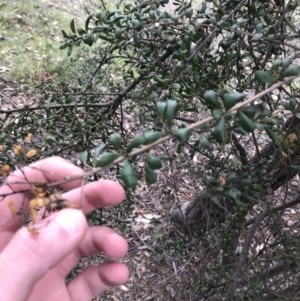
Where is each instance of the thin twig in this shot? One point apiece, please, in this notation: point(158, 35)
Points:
point(71, 105)
point(244, 253)
point(191, 127)
point(276, 208)
point(8, 100)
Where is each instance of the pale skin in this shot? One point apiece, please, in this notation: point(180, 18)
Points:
point(34, 267)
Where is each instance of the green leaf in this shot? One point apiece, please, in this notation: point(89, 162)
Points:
point(153, 162)
point(87, 22)
point(151, 137)
point(233, 193)
point(264, 77)
point(64, 46)
point(128, 176)
point(115, 140)
point(276, 63)
point(88, 39)
point(266, 112)
point(151, 176)
point(81, 31)
point(72, 26)
point(50, 140)
point(247, 124)
point(230, 99)
point(212, 20)
point(287, 105)
point(106, 159)
point(189, 13)
point(69, 50)
point(65, 35)
point(118, 33)
point(272, 135)
point(136, 24)
point(161, 82)
point(293, 103)
point(83, 157)
point(217, 114)
point(211, 99)
point(171, 110)
point(161, 109)
point(260, 126)
point(238, 129)
point(295, 168)
point(220, 133)
point(286, 62)
point(137, 141)
point(258, 108)
point(97, 152)
point(176, 86)
point(182, 134)
point(204, 142)
point(292, 70)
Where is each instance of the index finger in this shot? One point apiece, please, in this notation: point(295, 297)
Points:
point(50, 170)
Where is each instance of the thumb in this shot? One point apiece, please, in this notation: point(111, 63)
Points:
point(28, 257)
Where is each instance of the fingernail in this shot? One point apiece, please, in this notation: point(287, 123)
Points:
point(70, 220)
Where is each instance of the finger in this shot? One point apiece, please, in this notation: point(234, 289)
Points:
point(103, 239)
point(28, 257)
point(48, 171)
point(103, 193)
point(95, 280)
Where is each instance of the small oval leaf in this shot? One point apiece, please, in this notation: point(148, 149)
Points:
point(182, 134)
point(292, 70)
point(230, 99)
point(151, 176)
point(83, 157)
point(106, 159)
point(171, 110)
point(204, 142)
point(128, 175)
point(151, 137)
point(220, 132)
point(211, 99)
point(137, 141)
point(153, 162)
point(161, 109)
point(264, 77)
point(247, 124)
point(97, 152)
point(115, 140)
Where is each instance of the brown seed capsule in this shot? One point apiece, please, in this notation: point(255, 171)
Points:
point(39, 189)
point(31, 153)
point(12, 207)
point(5, 169)
point(222, 181)
point(28, 138)
point(1, 147)
point(33, 231)
point(18, 150)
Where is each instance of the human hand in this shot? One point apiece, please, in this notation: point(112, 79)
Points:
point(34, 267)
